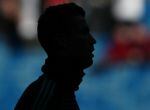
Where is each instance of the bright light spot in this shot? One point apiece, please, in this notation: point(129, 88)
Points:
point(27, 29)
point(28, 19)
point(128, 9)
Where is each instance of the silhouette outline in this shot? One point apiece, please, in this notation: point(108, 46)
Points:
point(64, 35)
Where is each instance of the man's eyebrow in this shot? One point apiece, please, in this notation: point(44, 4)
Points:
point(84, 28)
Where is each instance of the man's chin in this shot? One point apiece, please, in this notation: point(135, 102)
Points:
point(84, 62)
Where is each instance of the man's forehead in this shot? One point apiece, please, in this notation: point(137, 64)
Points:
point(79, 21)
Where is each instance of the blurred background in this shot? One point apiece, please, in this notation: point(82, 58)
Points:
point(120, 76)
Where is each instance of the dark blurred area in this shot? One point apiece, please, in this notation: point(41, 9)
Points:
point(120, 76)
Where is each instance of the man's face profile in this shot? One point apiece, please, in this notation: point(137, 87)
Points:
point(65, 36)
point(82, 42)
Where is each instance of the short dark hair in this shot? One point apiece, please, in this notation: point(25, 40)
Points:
point(57, 20)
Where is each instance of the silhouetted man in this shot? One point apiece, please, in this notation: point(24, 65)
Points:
point(64, 35)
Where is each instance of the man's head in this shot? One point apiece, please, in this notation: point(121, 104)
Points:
point(63, 33)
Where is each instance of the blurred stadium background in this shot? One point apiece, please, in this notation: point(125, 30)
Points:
point(120, 76)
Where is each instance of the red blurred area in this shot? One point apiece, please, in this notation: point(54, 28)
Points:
point(55, 2)
point(130, 43)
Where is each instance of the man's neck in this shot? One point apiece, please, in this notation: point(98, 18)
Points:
point(61, 68)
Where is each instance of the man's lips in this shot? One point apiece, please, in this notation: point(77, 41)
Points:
point(91, 52)
point(92, 49)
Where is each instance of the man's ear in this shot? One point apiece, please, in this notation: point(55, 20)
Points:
point(63, 45)
point(61, 41)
